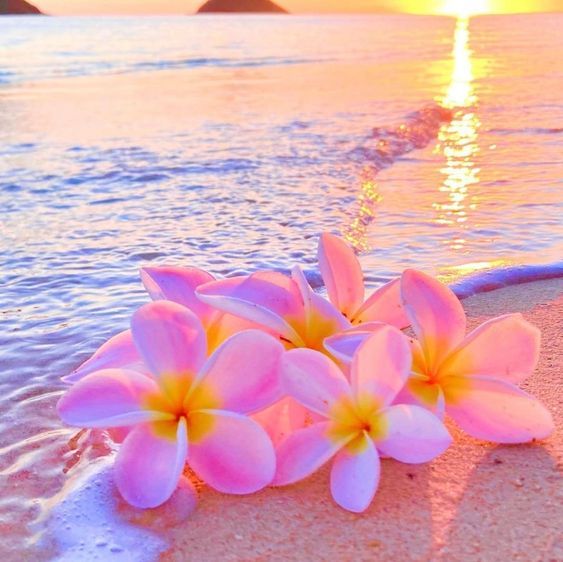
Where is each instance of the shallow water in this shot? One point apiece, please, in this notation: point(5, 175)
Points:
point(229, 143)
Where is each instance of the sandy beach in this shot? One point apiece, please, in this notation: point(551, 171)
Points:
point(478, 501)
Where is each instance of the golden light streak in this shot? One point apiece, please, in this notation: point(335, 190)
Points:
point(459, 140)
point(455, 272)
point(460, 91)
point(355, 233)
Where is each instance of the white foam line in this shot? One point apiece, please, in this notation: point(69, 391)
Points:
point(83, 524)
point(492, 279)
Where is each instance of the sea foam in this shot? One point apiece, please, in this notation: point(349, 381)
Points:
point(83, 521)
point(499, 277)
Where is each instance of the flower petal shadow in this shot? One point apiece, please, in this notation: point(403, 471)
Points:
point(509, 508)
point(302, 522)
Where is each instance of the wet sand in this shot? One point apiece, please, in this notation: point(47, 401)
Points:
point(478, 501)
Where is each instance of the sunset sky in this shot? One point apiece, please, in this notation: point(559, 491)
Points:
point(300, 6)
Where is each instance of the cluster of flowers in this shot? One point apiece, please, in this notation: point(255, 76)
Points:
point(257, 380)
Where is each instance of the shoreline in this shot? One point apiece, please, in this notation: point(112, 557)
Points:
point(478, 501)
point(503, 277)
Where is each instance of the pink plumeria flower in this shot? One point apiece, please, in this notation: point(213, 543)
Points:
point(472, 377)
point(301, 318)
point(176, 284)
point(344, 280)
point(359, 422)
point(191, 408)
point(179, 285)
point(285, 306)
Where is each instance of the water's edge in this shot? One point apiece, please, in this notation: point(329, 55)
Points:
point(490, 280)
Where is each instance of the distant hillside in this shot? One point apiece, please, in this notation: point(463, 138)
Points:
point(17, 7)
point(237, 6)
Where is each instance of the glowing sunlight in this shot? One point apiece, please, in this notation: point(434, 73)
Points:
point(460, 90)
point(355, 233)
point(459, 139)
point(465, 8)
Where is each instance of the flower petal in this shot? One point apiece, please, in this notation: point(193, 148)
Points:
point(260, 300)
point(421, 389)
point(313, 379)
point(496, 410)
point(178, 284)
point(504, 348)
point(381, 365)
point(355, 475)
point(322, 318)
point(424, 393)
point(344, 344)
point(283, 418)
point(236, 456)
point(436, 315)
point(109, 398)
point(225, 326)
point(303, 452)
point(170, 338)
point(305, 290)
point(119, 351)
point(324, 321)
point(413, 434)
point(384, 305)
point(342, 274)
point(243, 372)
point(150, 462)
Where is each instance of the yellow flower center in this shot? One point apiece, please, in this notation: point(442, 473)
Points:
point(178, 397)
point(352, 419)
point(425, 389)
point(425, 382)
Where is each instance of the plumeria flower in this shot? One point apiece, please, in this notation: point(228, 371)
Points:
point(472, 377)
point(301, 318)
point(359, 423)
point(177, 284)
point(342, 275)
point(191, 408)
point(285, 306)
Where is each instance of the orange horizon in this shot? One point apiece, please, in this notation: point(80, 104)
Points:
point(182, 7)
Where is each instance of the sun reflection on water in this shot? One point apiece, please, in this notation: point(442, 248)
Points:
point(455, 124)
point(355, 233)
point(458, 141)
point(460, 90)
point(456, 272)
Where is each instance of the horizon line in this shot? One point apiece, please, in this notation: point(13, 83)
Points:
point(236, 14)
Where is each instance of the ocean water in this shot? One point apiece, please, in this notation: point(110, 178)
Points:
point(229, 143)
